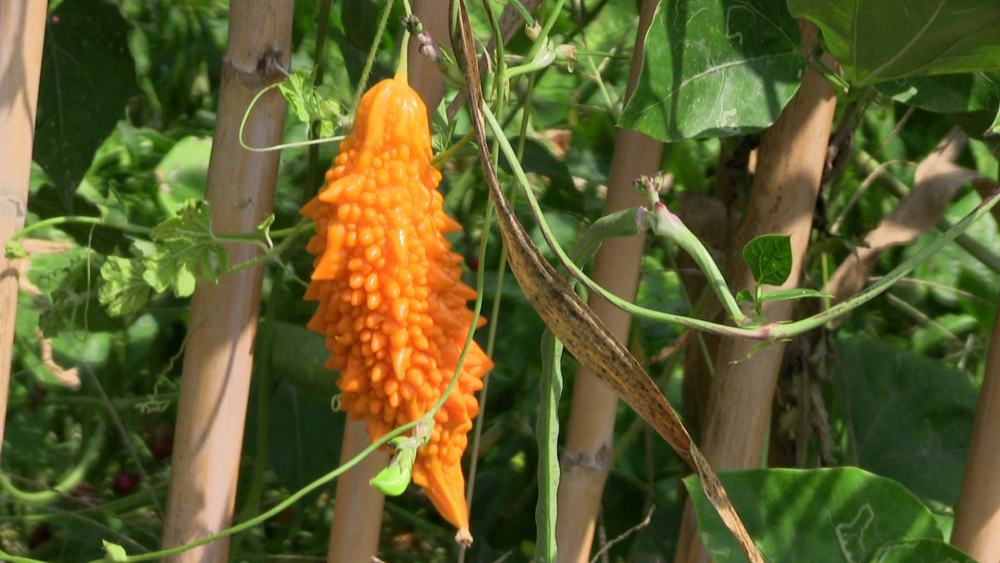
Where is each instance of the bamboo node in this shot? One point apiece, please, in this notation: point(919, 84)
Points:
point(600, 462)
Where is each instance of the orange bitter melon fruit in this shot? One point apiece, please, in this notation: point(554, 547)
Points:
point(392, 305)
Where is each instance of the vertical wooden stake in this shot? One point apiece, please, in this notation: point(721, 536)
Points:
point(589, 437)
point(790, 164)
point(424, 76)
point(357, 506)
point(219, 357)
point(977, 515)
point(22, 33)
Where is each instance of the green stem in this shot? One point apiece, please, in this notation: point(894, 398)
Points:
point(79, 220)
point(770, 331)
point(119, 403)
point(255, 238)
point(319, 58)
point(362, 84)
point(666, 224)
point(542, 60)
point(246, 117)
point(303, 226)
point(523, 12)
point(612, 109)
point(550, 22)
point(443, 157)
point(69, 482)
point(830, 75)
point(116, 507)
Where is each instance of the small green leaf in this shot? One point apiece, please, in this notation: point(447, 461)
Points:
point(113, 210)
point(124, 290)
point(115, 552)
point(794, 293)
point(14, 250)
point(311, 103)
point(769, 258)
point(745, 297)
point(393, 480)
point(179, 266)
point(193, 221)
point(186, 251)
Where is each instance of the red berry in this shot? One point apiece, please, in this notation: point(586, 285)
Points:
point(161, 442)
point(41, 534)
point(125, 482)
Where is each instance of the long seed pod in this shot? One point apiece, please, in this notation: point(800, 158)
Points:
point(391, 301)
point(590, 433)
point(573, 323)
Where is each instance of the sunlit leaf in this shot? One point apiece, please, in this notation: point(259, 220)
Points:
point(769, 258)
point(809, 516)
point(878, 41)
point(123, 291)
point(713, 68)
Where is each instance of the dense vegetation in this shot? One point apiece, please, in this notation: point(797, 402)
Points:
point(129, 91)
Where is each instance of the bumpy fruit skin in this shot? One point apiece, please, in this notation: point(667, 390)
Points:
point(391, 301)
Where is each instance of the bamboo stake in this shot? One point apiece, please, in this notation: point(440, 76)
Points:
point(424, 76)
point(587, 458)
point(977, 514)
point(789, 170)
point(22, 31)
point(218, 360)
point(354, 533)
point(357, 507)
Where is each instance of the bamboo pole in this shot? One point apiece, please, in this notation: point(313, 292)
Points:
point(789, 169)
point(977, 514)
point(590, 434)
point(357, 507)
point(424, 76)
point(22, 31)
point(354, 533)
point(218, 360)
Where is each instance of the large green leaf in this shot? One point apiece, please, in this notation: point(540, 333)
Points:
point(950, 93)
point(182, 173)
point(303, 439)
point(87, 78)
point(298, 356)
point(881, 40)
point(920, 551)
point(714, 68)
point(815, 516)
point(905, 417)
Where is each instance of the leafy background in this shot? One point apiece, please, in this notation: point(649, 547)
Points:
point(126, 111)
